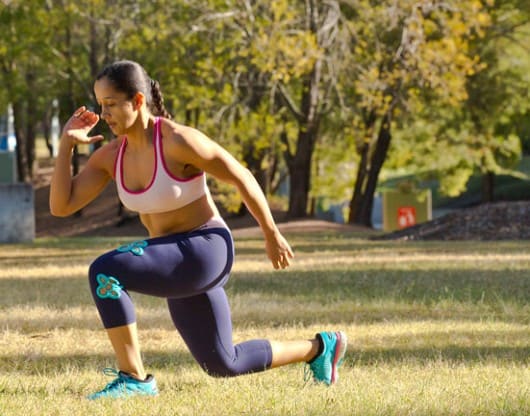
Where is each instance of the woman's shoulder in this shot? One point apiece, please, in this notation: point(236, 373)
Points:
point(109, 149)
point(176, 132)
point(105, 156)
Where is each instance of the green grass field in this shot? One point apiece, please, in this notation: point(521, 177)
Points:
point(434, 329)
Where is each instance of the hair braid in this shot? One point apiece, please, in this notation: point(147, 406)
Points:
point(157, 104)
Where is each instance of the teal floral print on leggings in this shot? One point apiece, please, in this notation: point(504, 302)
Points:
point(136, 247)
point(108, 287)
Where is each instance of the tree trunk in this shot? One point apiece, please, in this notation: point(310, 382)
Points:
point(300, 175)
point(30, 143)
point(358, 190)
point(47, 128)
point(308, 125)
point(362, 172)
point(30, 126)
point(254, 163)
point(19, 115)
point(488, 187)
point(362, 203)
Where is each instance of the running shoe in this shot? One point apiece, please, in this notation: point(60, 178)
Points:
point(125, 386)
point(323, 368)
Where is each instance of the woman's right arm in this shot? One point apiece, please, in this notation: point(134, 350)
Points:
point(69, 194)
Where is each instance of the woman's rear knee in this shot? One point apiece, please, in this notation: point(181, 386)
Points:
point(219, 369)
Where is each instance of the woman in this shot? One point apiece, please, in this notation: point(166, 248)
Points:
point(159, 167)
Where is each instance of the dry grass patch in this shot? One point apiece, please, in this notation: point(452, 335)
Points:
point(434, 329)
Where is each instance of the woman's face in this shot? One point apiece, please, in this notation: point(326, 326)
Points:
point(118, 111)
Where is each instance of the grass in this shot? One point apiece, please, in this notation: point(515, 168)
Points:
point(434, 328)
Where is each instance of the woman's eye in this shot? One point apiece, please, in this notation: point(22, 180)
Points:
point(102, 106)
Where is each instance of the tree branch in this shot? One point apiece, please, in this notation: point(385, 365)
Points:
point(290, 103)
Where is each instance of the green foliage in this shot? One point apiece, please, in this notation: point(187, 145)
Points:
point(334, 162)
point(280, 46)
point(452, 140)
point(453, 76)
point(402, 54)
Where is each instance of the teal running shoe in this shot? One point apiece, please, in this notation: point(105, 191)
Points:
point(125, 386)
point(323, 368)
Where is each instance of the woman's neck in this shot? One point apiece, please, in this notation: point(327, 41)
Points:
point(140, 134)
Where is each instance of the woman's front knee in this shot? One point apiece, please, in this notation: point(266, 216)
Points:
point(103, 281)
point(99, 265)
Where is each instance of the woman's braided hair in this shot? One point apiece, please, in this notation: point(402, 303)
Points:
point(157, 105)
point(130, 78)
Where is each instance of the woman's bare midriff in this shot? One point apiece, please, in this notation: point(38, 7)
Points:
point(180, 220)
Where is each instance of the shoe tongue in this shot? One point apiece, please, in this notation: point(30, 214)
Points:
point(123, 374)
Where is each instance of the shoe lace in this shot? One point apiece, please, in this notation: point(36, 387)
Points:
point(112, 372)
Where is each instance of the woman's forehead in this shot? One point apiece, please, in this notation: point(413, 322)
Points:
point(103, 88)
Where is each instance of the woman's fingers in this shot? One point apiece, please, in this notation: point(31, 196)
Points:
point(81, 122)
point(79, 111)
point(83, 119)
point(86, 115)
point(279, 251)
point(82, 113)
point(284, 258)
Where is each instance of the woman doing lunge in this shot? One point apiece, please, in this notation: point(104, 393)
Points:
point(159, 167)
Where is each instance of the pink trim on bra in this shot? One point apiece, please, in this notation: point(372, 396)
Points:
point(153, 177)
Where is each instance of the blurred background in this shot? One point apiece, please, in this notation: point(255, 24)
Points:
point(331, 104)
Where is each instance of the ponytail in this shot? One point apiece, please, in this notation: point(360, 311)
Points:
point(157, 100)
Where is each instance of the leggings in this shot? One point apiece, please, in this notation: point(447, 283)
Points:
point(189, 270)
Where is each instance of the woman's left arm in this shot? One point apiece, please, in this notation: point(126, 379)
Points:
point(203, 153)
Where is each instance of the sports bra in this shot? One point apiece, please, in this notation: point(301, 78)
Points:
point(165, 192)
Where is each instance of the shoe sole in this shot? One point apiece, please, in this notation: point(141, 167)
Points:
point(126, 395)
point(340, 350)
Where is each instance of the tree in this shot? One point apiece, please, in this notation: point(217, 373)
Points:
point(483, 134)
point(24, 62)
point(405, 57)
point(287, 47)
point(499, 89)
point(241, 65)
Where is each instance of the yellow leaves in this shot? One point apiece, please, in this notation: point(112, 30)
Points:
point(484, 19)
point(423, 46)
point(457, 26)
point(280, 46)
point(282, 11)
point(429, 27)
point(454, 182)
point(285, 55)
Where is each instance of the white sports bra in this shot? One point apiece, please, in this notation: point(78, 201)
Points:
point(165, 192)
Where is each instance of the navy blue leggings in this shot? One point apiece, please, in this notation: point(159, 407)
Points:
point(189, 270)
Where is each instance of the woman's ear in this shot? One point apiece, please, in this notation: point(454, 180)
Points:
point(138, 100)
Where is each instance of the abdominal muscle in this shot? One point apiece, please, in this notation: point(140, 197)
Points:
point(182, 219)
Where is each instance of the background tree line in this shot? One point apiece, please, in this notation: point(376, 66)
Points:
point(322, 92)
